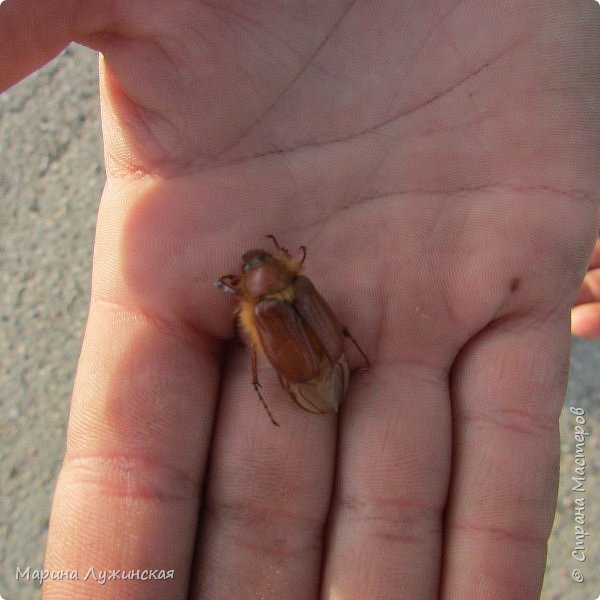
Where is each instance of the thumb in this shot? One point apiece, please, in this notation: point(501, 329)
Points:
point(34, 32)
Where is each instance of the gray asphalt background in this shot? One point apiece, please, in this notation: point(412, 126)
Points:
point(51, 178)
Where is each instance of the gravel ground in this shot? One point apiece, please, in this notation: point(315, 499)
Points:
point(51, 177)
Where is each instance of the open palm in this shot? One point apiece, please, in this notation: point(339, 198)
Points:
point(437, 160)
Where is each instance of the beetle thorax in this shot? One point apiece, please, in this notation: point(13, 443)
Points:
point(264, 275)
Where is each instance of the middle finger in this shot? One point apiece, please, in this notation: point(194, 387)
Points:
point(268, 493)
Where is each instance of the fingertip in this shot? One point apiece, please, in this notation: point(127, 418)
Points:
point(585, 321)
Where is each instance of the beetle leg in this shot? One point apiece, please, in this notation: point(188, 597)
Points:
point(237, 329)
point(257, 386)
point(346, 333)
point(229, 288)
point(280, 248)
point(303, 250)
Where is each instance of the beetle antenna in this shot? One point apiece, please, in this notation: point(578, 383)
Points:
point(280, 248)
point(346, 333)
point(229, 288)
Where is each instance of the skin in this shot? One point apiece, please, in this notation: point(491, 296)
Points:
point(440, 161)
point(585, 316)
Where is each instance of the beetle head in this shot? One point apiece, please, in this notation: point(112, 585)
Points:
point(254, 259)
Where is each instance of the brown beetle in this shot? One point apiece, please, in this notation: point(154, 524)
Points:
point(287, 320)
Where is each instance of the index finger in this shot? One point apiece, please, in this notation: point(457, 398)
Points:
point(129, 491)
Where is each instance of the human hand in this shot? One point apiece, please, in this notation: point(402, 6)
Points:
point(585, 316)
point(437, 162)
